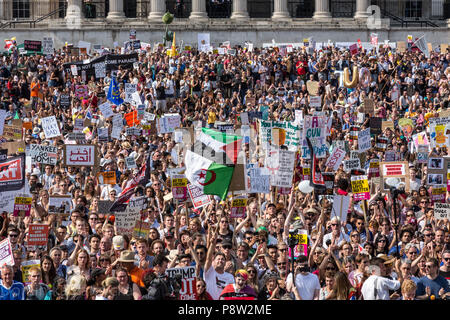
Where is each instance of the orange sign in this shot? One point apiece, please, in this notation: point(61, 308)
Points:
point(132, 119)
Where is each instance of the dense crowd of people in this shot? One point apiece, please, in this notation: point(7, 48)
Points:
point(384, 254)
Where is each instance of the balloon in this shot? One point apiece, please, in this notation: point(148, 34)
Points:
point(305, 187)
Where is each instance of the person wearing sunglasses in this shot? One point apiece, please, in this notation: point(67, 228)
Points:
point(432, 285)
point(306, 284)
point(336, 234)
point(444, 270)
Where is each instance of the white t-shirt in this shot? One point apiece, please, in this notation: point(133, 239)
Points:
point(306, 285)
point(383, 285)
point(216, 282)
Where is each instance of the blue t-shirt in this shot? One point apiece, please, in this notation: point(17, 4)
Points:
point(435, 285)
point(16, 292)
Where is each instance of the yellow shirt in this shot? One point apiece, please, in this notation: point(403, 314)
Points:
point(211, 117)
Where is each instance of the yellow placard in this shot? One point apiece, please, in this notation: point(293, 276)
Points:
point(179, 182)
point(22, 200)
point(239, 202)
point(360, 186)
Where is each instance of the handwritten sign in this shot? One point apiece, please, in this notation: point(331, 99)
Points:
point(6, 254)
point(335, 159)
point(441, 210)
point(80, 155)
point(364, 140)
point(50, 126)
point(43, 154)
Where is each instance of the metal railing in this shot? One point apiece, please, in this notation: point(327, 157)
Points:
point(407, 23)
point(33, 18)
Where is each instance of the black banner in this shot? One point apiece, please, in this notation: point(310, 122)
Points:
point(12, 174)
point(32, 45)
point(98, 67)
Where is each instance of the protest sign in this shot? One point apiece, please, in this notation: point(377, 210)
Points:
point(315, 102)
point(22, 204)
point(328, 178)
point(81, 91)
point(6, 254)
point(238, 207)
point(364, 143)
point(352, 164)
point(131, 118)
point(141, 229)
point(314, 128)
point(441, 210)
point(422, 154)
point(2, 120)
point(360, 188)
point(259, 181)
point(106, 110)
point(340, 207)
point(126, 220)
point(38, 234)
point(12, 174)
point(12, 132)
point(438, 193)
point(133, 131)
point(393, 173)
point(130, 162)
point(374, 168)
point(439, 134)
point(381, 144)
point(107, 177)
point(43, 154)
point(104, 206)
point(32, 45)
point(375, 124)
point(64, 100)
point(50, 127)
point(103, 134)
point(188, 281)
point(3, 154)
point(179, 186)
point(278, 133)
point(169, 122)
point(198, 198)
point(25, 267)
point(301, 249)
point(335, 159)
point(60, 204)
point(280, 164)
point(369, 106)
point(130, 88)
point(80, 155)
point(47, 46)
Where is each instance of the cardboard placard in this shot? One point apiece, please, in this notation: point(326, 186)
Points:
point(81, 155)
point(38, 235)
point(396, 171)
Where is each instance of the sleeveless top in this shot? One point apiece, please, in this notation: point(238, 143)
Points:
point(126, 296)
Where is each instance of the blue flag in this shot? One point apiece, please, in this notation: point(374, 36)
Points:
point(114, 93)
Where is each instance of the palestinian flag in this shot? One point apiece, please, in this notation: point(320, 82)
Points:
point(229, 144)
point(208, 164)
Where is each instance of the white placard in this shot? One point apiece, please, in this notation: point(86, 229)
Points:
point(6, 254)
point(130, 162)
point(47, 46)
point(441, 210)
point(352, 164)
point(106, 110)
point(364, 143)
point(50, 126)
point(340, 207)
point(335, 159)
point(80, 155)
point(43, 154)
point(2, 120)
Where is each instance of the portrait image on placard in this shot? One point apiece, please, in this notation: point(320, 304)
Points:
point(435, 178)
point(436, 163)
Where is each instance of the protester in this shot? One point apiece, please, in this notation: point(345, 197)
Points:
point(334, 223)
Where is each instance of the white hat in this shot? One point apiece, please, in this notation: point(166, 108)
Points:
point(118, 243)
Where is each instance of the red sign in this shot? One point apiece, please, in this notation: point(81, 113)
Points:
point(12, 174)
point(37, 235)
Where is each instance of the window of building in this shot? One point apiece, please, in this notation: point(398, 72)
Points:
point(21, 9)
point(413, 9)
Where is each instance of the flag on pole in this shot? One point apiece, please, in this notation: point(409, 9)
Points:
point(421, 44)
point(114, 93)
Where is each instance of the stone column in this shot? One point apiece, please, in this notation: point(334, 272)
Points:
point(239, 10)
point(322, 10)
point(280, 10)
point(115, 10)
point(198, 11)
point(74, 14)
point(157, 10)
point(361, 9)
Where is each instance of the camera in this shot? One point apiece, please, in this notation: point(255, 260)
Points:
point(292, 240)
